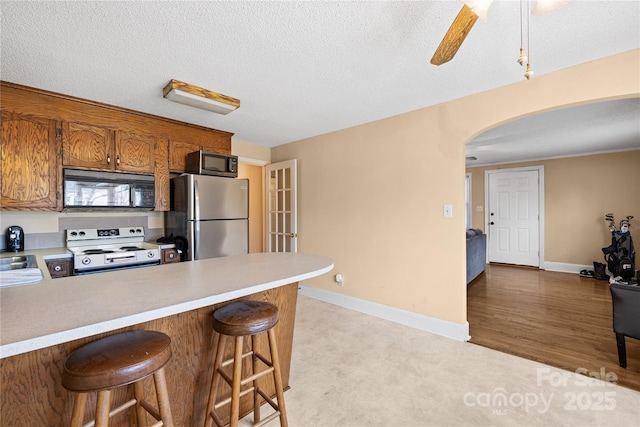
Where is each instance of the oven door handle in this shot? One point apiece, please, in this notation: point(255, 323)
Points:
point(121, 258)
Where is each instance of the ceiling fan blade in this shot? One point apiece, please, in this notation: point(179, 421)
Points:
point(455, 36)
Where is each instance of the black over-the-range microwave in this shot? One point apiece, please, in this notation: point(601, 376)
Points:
point(89, 190)
point(209, 163)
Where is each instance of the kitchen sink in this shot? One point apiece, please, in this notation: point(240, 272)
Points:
point(19, 270)
point(18, 262)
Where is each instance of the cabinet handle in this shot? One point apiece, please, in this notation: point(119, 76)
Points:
point(109, 159)
point(57, 268)
point(118, 161)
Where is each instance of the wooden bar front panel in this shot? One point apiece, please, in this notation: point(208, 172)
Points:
point(32, 394)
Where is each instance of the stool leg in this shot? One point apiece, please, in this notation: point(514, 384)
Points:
point(277, 377)
point(237, 379)
point(103, 406)
point(208, 421)
point(163, 398)
point(256, 395)
point(141, 413)
point(77, 416)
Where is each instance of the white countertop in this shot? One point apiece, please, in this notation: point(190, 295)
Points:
point(55, 311)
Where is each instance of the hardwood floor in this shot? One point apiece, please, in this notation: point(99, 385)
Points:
point(559, 319)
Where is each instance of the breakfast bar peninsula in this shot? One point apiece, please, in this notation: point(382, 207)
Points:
point(42, 323)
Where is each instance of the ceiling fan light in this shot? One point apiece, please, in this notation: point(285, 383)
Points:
point(529, 72)
point(479, 7)
point(522, 59)
point(546, 7)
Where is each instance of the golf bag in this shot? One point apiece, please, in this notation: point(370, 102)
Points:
point(620, 255)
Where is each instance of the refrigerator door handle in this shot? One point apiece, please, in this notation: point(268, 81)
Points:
point(196, 198)
point(196, 240)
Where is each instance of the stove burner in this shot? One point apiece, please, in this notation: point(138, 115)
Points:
point(131, 248)
point(97, 251)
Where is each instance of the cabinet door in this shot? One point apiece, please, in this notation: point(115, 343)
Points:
point(178, 151)
point(30, 151)
point(60, 268)
point(87, 146)
point(135, 153)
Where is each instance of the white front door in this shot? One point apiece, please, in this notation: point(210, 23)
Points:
point(514, 217)
point(282, 224)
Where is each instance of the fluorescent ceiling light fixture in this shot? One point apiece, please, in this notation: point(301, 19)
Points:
point(200, 98)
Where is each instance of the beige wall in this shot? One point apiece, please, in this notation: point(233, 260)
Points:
point(250, 152)
point(371, 197)
point(254, 174)
point(579, 191)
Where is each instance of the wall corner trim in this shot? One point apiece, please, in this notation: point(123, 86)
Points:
point(445, 328)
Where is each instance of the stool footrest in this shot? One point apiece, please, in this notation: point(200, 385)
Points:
point(268, 400)
point(126, 405)
point(150, 409)
point(247, 380)
point(228, 399)
point(267, 419)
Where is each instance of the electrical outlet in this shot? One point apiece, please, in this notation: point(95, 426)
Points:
point(339, 279)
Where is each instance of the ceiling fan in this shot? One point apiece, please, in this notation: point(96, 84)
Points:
point(468, 16)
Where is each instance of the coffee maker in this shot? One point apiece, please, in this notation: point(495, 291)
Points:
point(15, 239)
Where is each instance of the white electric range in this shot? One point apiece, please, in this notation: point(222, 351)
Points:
point(105, 249)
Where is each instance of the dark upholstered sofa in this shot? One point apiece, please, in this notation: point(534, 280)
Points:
point(476, 253)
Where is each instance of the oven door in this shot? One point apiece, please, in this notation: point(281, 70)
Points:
point(110, 268)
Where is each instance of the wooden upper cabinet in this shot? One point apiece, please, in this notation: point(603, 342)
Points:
point(87, 146)
point(30, 152)
point(178, 151)
point(95, 147)
point(135, 153)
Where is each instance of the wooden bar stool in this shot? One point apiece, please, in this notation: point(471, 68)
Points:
point(115, 361)
point(242, 319)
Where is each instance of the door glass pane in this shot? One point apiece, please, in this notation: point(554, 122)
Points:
point(280, 178)
point(287, 200)
point(287, 222)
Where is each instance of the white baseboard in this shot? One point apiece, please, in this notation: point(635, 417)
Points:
point(445, 328)
point(562, 267)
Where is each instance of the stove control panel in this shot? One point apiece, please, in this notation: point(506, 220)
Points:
point(104, 233)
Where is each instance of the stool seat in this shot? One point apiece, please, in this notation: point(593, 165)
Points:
point(244, 318)
point(116, 360)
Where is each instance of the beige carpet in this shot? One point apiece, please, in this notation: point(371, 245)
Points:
point(354, 370)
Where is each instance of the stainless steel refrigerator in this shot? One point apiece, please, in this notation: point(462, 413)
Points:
point(212, 213)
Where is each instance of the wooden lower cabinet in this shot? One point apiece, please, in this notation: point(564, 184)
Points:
point(32, 395)
point(169, 256)
point(60, 268)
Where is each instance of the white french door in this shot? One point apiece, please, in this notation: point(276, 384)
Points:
point(281, 223)
point(513, 216)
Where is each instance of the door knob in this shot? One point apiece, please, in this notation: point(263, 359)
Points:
point(491, 223)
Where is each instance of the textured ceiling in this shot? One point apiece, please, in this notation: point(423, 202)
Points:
point(300, 69)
